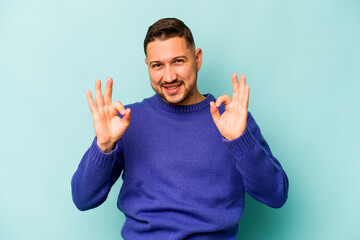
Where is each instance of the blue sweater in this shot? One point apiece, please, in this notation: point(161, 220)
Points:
point(181, 178)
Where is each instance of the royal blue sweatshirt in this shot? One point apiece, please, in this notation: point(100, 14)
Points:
point(181, 178)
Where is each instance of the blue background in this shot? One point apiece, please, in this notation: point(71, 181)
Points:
point(301, 58)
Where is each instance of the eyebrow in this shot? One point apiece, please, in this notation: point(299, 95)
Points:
point(171, 59)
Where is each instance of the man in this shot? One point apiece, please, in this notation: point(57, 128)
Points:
point(186, 159)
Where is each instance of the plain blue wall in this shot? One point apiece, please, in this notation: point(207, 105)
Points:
point(302, 60)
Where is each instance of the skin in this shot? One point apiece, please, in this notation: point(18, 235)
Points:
point(109, 127)
point(173, 64)
point(173, 67)
point(232, 123)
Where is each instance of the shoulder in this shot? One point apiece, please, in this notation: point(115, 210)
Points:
point(141, 110)
point(142, 105)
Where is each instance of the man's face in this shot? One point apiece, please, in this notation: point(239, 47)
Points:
point(173, 68)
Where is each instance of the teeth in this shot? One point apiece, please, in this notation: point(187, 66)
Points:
point(173, 87)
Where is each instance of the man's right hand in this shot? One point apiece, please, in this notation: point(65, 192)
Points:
point(109, 127)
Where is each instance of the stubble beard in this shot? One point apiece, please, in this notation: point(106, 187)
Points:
point(188, 92)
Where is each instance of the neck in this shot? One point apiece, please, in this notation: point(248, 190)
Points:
point(194, 98)
point(205, 104)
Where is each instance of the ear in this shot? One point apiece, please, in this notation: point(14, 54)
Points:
point(146, 61)
point(198, 58)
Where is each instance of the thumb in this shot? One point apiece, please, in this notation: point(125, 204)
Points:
point(214, 112)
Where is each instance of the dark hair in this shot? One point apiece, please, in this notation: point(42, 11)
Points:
point(167, 28)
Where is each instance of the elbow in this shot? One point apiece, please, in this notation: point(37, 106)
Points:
point(81, 205)
point(280, 196)
point(80, 198)
point(278, 202)
point(274, 197)
point(273, 201)
point(85, 201)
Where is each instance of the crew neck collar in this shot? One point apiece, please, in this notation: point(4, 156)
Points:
point(183, 108)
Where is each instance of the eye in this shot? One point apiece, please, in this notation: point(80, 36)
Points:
point(179, 60)
point(156, 65)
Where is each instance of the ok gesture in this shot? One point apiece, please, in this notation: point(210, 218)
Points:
point(109, 127)
point(232, 123)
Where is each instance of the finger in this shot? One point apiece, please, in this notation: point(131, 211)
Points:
point(245, 97)
point(98, 95)
point(242, 84)
point(108, 91)
point(242, 79)
point(118, 105)
point(113, 111)
point(235, 84)
point(214, 112)
point(223, 99)
point(91, 102)
point(127, 115)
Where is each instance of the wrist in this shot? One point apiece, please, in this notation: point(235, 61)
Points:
point(233, 136)
point(105, 147)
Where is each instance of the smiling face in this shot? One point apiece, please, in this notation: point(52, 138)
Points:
point(173, 67)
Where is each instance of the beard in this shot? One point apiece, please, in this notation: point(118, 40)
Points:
point(188, 91)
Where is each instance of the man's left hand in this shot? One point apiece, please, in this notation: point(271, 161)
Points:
point(232, 123)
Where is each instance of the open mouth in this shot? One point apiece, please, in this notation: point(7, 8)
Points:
point(172, 88)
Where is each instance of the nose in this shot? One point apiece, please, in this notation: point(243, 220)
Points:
point(169, 74)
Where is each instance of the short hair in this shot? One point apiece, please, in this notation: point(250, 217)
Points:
point(167, 28)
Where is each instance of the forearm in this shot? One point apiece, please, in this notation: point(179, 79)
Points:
point(94, 177)
point(264, 179)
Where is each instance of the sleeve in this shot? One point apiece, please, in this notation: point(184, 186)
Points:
point(263, 177)
point(95, 175)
